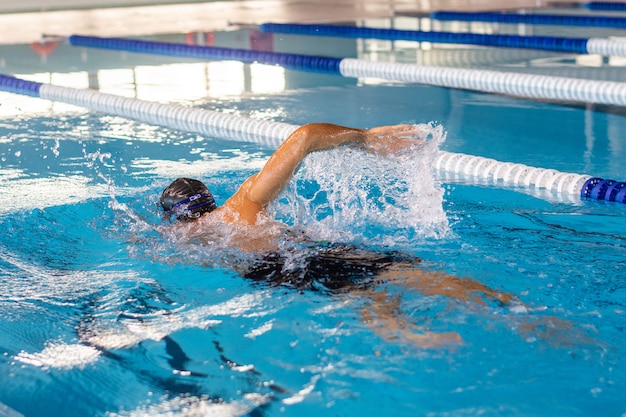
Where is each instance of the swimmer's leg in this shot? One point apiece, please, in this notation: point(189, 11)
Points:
point(439, 283)
point(555, 331)
point(383, 315)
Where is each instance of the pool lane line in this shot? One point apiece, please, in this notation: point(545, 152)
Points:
point(238, 128)
point(528, 86)
point(615, 22)
point(606, 47)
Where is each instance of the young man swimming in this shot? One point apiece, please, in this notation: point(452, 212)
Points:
point(189, 199)
point(336, 267)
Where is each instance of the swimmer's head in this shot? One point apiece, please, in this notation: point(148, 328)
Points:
point(187, 199)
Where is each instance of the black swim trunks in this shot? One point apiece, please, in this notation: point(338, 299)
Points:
point(326, 267)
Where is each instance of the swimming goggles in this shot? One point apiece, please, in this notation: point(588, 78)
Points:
point(186, 206)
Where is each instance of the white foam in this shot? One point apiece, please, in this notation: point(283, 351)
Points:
point(60, 356)
point(264, 328)
point(30, 193)
point(300, 396)
point(190, 406)
point(32, 283)
point(130, 332)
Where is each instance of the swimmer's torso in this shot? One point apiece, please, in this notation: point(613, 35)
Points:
point(267, 235)
point(272, 252)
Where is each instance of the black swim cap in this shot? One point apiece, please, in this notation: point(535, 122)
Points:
point(187, 199)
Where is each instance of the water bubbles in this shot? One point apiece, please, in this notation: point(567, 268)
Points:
point(55, 148)
point(97, 156)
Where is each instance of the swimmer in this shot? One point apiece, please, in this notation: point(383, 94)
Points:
point(191, 203)
point(190, 199)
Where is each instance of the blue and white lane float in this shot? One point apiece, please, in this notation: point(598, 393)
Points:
point(615, 22)
point(529, 86)
point(216, 124)
point(606, 47)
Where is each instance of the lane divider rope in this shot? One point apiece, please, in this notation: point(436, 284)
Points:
point(605, 5)
point(521, 85)
point(533, 19)
point(606, 47)
point(226, 126)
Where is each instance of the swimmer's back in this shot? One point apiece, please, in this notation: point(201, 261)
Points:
point(326, 266)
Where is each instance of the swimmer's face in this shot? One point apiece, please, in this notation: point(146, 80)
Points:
point(187, 199)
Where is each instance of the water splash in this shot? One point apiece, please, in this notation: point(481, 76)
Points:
point(350, 195)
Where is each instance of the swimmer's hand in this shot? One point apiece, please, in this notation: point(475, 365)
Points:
point(394, 140)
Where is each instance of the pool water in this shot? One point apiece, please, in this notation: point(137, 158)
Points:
point(107, 311)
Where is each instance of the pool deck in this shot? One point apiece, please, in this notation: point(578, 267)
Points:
point(26, 21)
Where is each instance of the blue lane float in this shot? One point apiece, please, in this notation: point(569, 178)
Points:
point(530, 86)
point(19, 86)
point(533, 19)
point(605, 5)
point(291, 61)
point(601, 189)
point(547, 43)
point(227, 126)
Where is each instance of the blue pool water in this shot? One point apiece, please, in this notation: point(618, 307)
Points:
point(107, 311)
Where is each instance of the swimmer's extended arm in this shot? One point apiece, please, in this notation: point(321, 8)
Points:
point(260, 189)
